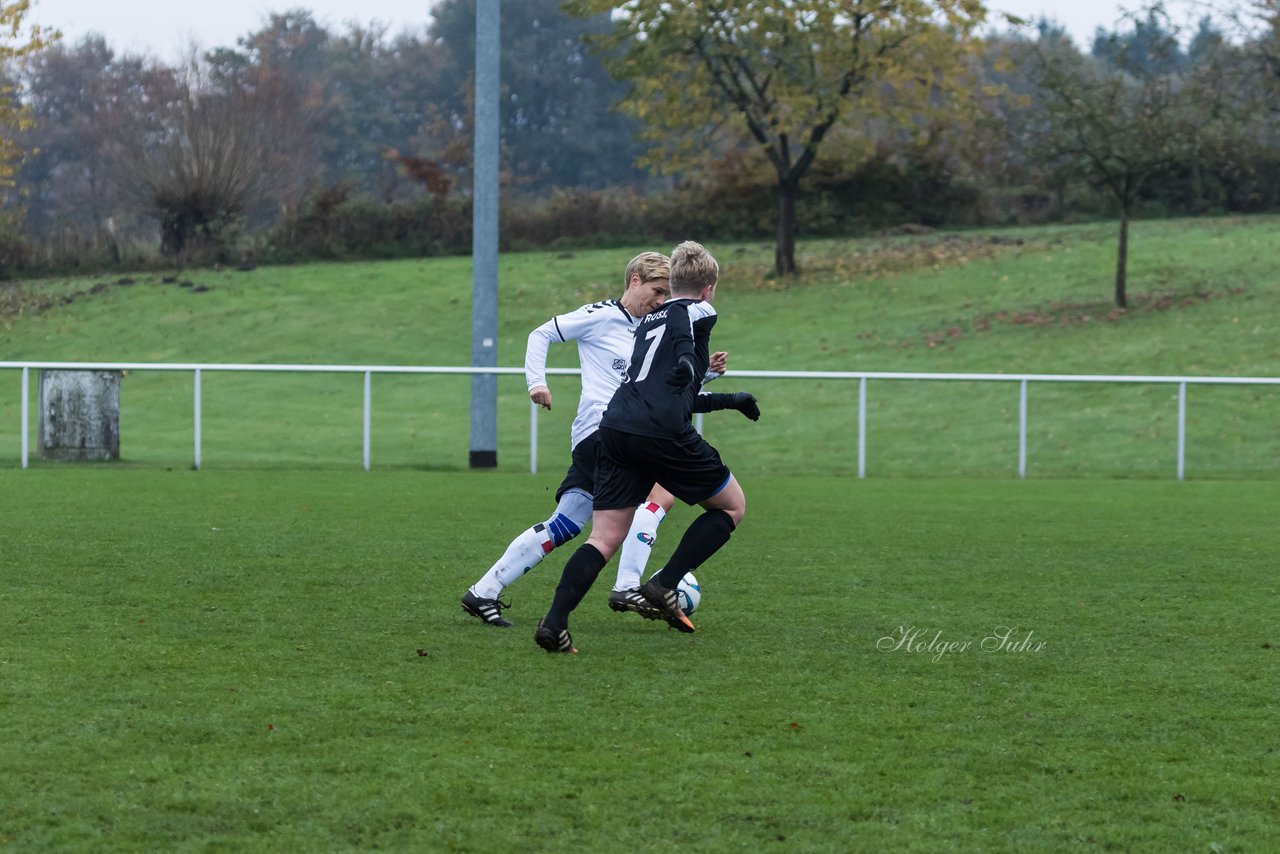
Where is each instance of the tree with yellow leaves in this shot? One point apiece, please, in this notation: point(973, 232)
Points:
point(16, 42)
point(783, 74)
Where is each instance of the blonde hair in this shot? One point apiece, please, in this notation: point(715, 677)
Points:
point(692, 269)
point(648, 266)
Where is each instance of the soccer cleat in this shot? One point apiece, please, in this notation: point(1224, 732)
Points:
point(553, 640)
point(668, 605)
point(631, 600)
point(489, 610)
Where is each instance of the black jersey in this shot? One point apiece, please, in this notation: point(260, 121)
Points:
point(645, 404)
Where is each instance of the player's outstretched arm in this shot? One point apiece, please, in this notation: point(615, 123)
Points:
point(743, 401)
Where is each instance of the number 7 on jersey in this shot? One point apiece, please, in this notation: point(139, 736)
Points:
point(651, 340)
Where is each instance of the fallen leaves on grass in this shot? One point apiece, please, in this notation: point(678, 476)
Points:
point(16, 300)
point(1066, 314)
point(871, 259)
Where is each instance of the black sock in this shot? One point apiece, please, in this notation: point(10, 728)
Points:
point(701, 540)
point(578, 576)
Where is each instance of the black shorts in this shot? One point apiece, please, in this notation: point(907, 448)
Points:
point(629, 466)
point(582, 471)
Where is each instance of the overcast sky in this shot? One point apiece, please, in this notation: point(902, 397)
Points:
point(165, 27)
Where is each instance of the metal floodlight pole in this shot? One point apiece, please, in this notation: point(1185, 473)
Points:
point(484, 240)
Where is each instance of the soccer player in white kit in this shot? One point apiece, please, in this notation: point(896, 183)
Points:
point(604, 332)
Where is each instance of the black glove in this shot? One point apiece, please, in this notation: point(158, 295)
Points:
point(681, 374)
point(745, 402)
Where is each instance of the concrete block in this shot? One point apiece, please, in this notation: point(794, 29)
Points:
point(79, 415)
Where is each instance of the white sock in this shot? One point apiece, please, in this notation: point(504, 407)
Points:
point(638, 545)
point(525, 552)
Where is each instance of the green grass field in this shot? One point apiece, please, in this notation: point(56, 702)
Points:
point(1205, 301)
point(268, 654)
point(275, 661)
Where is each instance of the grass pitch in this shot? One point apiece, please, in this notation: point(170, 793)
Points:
point(275, 660)
point(269, 654)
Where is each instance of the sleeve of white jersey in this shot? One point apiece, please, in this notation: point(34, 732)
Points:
point(535, 354)
point(562, 327)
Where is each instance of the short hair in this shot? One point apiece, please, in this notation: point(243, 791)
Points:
point(692, 269)
point(648, 266)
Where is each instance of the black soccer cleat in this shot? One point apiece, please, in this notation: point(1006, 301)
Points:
point(667, 604)
point(553, 640)
point(631, 600)
point(489, 610)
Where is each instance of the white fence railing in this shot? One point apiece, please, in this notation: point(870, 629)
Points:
point(862, 377)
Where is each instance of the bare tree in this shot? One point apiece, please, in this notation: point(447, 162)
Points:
point(205, 153)
point(1118, 127)
point(69, 181)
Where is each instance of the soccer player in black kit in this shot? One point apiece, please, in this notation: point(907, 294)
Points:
point(646, 437)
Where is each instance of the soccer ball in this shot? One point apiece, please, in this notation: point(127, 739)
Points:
point(688, 594)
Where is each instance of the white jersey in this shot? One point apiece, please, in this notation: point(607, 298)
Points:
point(605, 335)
